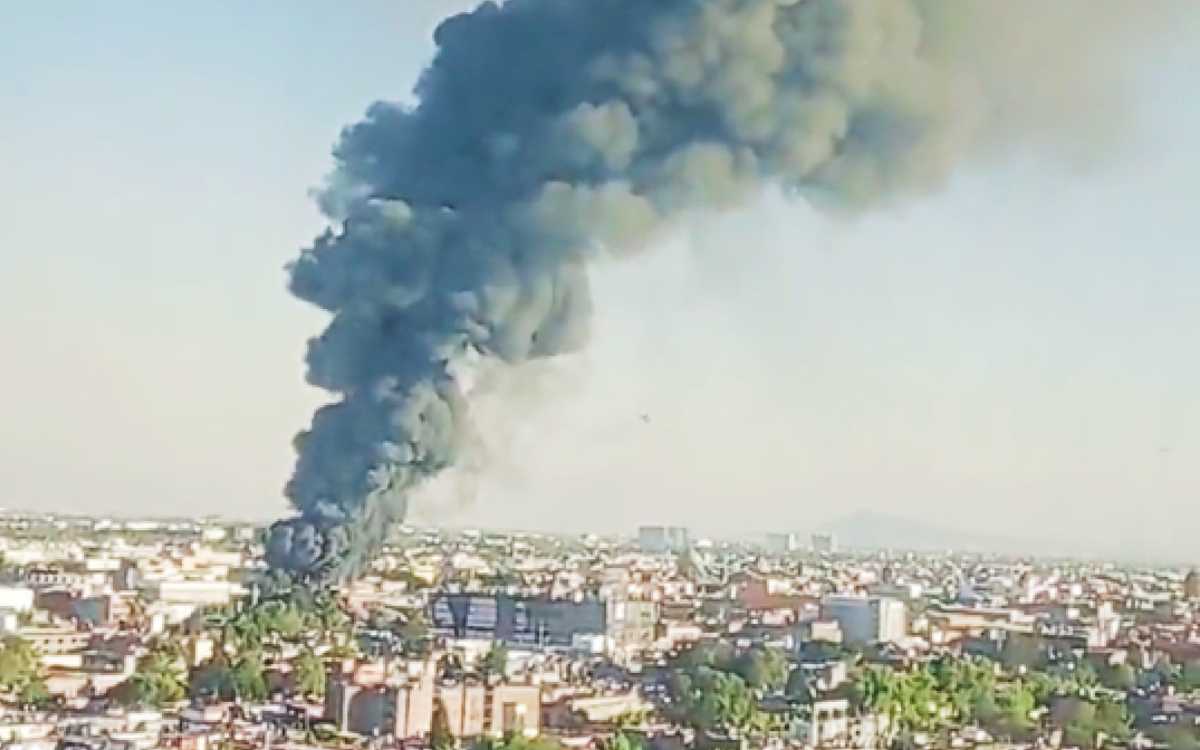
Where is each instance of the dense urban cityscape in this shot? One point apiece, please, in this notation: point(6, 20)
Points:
point(148, 633)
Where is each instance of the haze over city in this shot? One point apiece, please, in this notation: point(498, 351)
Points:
point(1012, 353)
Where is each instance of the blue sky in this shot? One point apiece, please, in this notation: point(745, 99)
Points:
point(1021, 345)
point(156, 167)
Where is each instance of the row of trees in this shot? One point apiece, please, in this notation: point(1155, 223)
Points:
point(945, 694)
point(248, 639)
point(21, 678)
point(714, 687)
point(954, 692)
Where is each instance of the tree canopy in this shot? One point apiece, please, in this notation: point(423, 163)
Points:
point(159, 679)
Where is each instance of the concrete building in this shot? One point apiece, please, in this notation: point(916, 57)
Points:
point(530, 621)
point(16, 598)
point(824, 543)
point(658, 540)
point(368, 706)
point(864, 619)
point(831, 724)
point(890, 619)
point(1191, 585)
point(632, 624)
point(853, 616)
point(783, 544)
point(198, 593)
point(491, 710)
point(372, 707)
point(50, 640)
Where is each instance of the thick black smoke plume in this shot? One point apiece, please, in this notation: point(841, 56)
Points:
point(549, 132)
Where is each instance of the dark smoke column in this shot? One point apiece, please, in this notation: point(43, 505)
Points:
point(549, 132)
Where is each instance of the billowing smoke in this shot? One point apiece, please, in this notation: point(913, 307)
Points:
point(550, 132)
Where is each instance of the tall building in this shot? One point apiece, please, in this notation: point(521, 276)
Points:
point(853, 616)
point(862, 620)
point(783, 544)
point(1191, 585)
point(824, 543)
point(657, 540)
point(891, 619)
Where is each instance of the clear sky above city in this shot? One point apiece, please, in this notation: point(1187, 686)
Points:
point(1016, 352)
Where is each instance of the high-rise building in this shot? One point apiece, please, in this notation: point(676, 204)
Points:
point(862, 620)
point(783, 544)
point(853, 616)
point(657, 540)
point(890, 618)
point(824, 543)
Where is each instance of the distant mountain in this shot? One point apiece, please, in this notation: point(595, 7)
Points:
point(872, 530)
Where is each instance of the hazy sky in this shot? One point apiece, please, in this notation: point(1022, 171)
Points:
point(1018, 352)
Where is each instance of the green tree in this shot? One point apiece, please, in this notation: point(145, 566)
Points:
point(158, 680)
point(440, 737)
point(1180, 737)
point(708, 699)
point(623, 741)
point(1086, 723)
point(764, 669)
point(213, 679)
point(1113, 720)
point(877, 686)
point(248, 679)
point(219, 679)
point(309, 671)
point(287, 623)
point(34, 693)
point(19, 664)
point(1085, 676)
point(1119, 677)
point(495, 661)
point(715, 655)
point(799, 687)
point(911, 700)
point(1046, 687)
point(1022, 652)
point(517, 742)
point(1188, 677)
point(963, 684)
point(1012, 715)
point(413, 632)
point(325, 616)
point(1077, 719)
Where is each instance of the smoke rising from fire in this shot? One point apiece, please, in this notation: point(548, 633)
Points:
point(550, 133)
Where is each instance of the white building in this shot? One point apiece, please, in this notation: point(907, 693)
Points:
point(16, 598)
point(199, 593)
point(891, 619)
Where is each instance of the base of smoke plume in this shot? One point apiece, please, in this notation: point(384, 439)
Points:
point(324, 552)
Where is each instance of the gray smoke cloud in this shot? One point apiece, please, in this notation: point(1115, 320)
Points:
point(548, 133)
